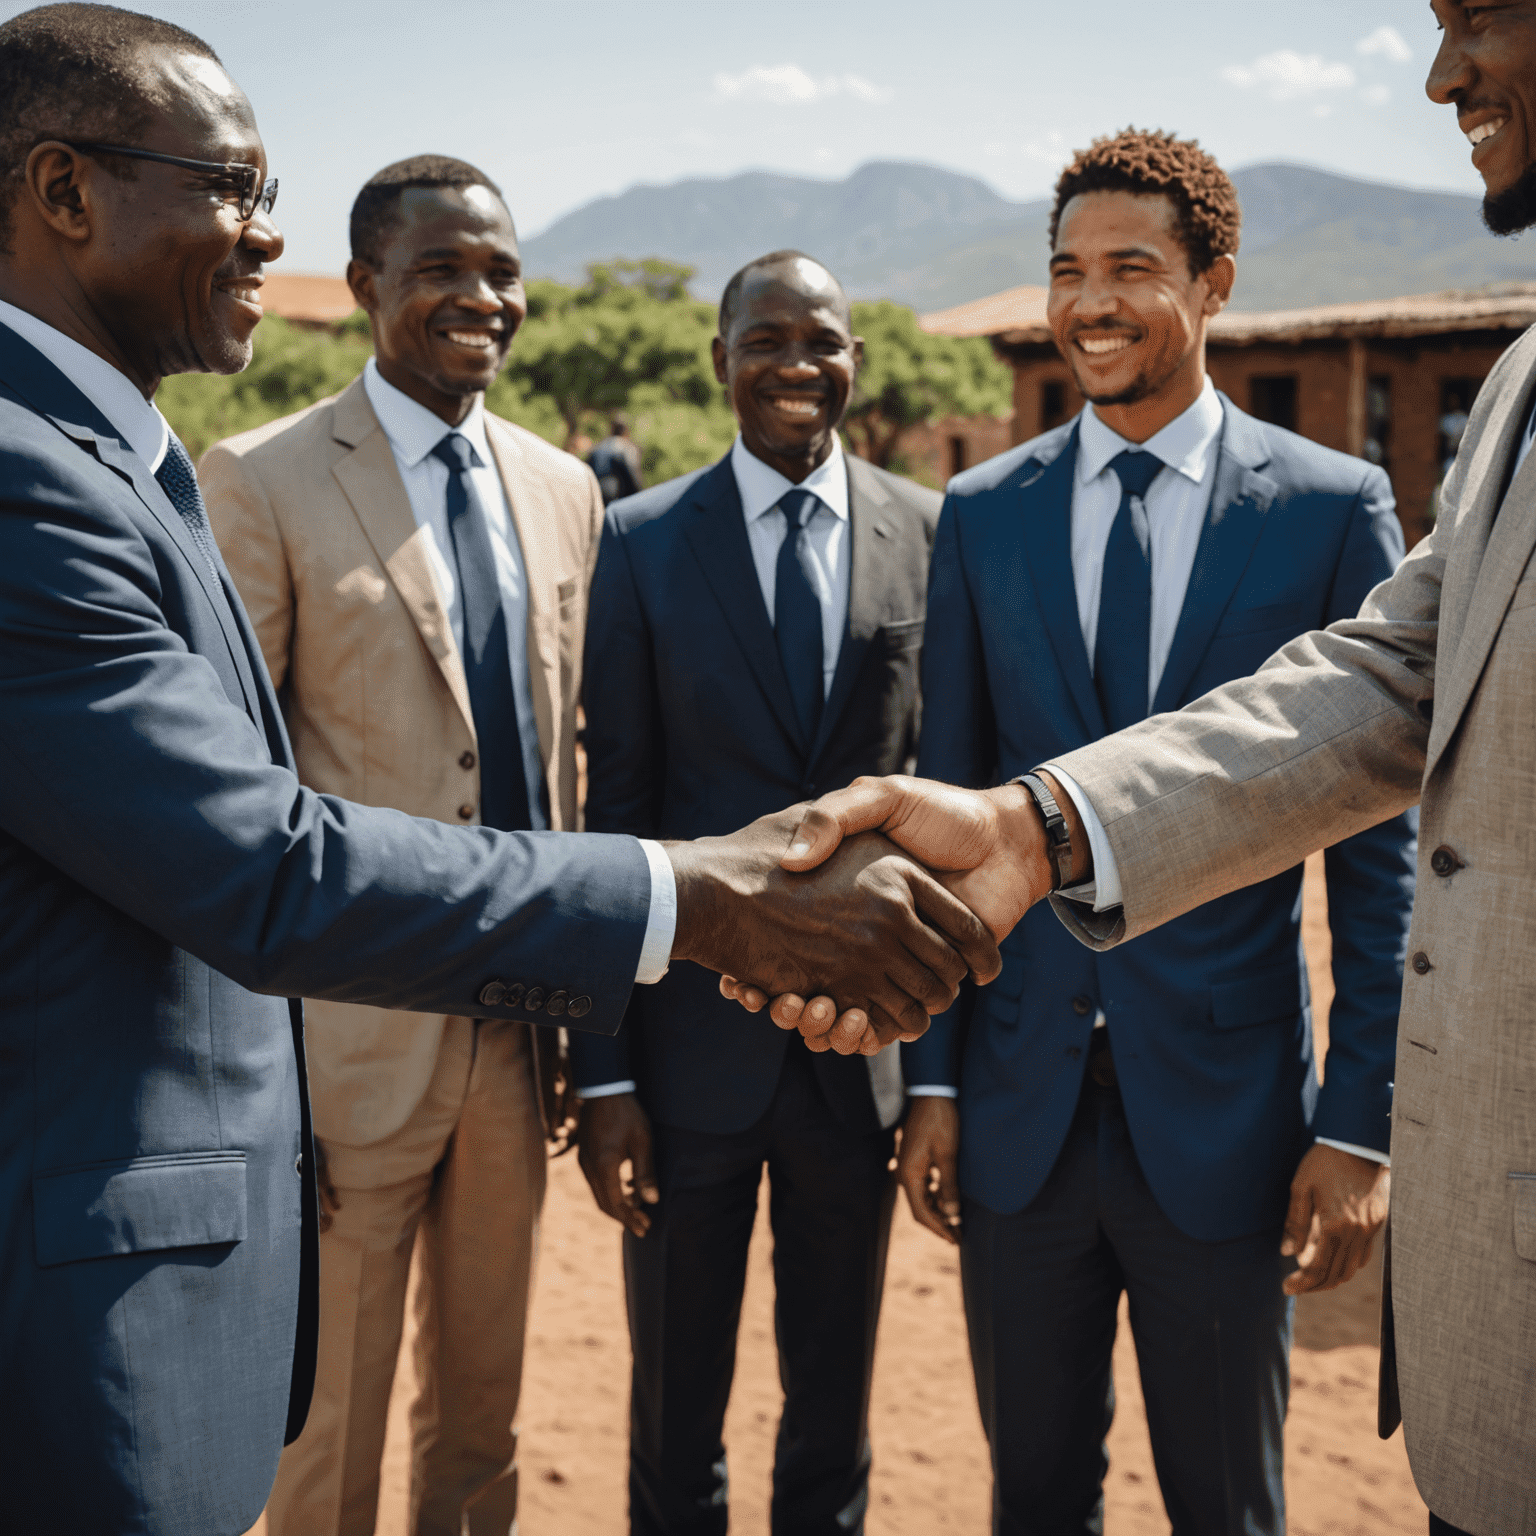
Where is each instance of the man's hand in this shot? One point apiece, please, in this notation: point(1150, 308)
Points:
point(863, 925)
point(1338, 1201)
point(930, 1147)
point(615, 1131)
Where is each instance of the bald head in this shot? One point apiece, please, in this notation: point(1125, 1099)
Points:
point(792, 271)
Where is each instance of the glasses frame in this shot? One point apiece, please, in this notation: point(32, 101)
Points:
point(254, 192)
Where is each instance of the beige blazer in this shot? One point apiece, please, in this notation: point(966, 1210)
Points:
point(316, 528)
point(1430, 694)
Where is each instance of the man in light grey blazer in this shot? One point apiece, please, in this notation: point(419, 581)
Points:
point(1429, 696)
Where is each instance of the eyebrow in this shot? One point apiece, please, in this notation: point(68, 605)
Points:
point(1146, 252)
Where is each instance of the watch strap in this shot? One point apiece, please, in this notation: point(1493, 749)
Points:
point(1058, 836)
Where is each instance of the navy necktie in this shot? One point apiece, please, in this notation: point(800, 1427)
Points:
point(1123, 646)
point(797, 611)
point(179, 482)
point(487, 665)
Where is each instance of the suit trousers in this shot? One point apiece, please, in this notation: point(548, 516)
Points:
point(831, 1195)
point(461, 1183)
point(1212, 1329)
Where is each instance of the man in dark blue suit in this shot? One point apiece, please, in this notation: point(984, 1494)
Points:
point(754, 638)
point(1149, 1119)
point(166, 883)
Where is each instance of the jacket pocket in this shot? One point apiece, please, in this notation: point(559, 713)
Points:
point(903, 634)
point(1525, 1214)
point(1258, 999)
point(138, 1205)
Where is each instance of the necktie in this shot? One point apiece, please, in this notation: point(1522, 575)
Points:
point(488, 667)
point(1122, 648)
point(797, 611)
point(179, 482)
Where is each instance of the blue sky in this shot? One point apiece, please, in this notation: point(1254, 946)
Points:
point(565, 102)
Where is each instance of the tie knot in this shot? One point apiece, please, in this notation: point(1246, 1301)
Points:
point(1137, 470)
point(457, 452)
point(799, 506)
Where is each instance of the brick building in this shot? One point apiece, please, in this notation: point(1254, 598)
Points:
point(1378, 379)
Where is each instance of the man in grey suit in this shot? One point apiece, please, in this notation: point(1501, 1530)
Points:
point(1428, 696)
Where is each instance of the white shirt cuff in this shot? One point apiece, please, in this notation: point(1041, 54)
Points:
point(606, 1090)
point(661, 925)
point(1103, 891)
point(932, 1091)
point(1349, 1146)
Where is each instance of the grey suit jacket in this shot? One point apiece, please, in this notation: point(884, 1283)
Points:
point(1430, 694)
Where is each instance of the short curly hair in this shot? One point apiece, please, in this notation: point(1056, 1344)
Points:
point(1206, 211)
point(377, 206)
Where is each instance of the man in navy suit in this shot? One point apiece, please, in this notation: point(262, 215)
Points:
point(1149, 1119)
point(754, 638)
point(166, 883)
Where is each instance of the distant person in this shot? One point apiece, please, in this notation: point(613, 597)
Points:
point(616, 461)
point(754, 639)
point(447, 689)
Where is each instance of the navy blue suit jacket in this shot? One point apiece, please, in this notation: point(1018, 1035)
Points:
point(691, 731)
point(166, 887)
point(1210, 1015)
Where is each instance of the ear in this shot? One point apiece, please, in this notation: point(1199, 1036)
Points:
point(58, 182)
point(718, 354)
point(1219, 281)
point(360, 279)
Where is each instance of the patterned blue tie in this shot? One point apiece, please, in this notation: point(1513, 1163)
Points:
point(487, 665)
point(179, 482)
point(797, 611)
point(1123, 646)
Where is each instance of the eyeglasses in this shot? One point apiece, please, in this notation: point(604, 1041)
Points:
point(253, 192)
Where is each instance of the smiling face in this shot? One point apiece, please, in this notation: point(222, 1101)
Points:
point(445, 297)
point(1486, 69)
point(788, 364)
point(1125, 311)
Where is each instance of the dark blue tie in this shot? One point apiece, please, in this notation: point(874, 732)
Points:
point(487, 665)
point(179, 482)
point(1123, 646)
point(797, 611)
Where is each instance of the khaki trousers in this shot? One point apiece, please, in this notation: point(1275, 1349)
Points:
point(463, 1183)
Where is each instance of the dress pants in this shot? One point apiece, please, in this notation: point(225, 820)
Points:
point(1212, 1330)
point(830, 1208)
point(462, 1182)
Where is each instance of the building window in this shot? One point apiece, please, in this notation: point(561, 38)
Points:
point(1378, 421)
point(1272, 398)
point(1053, 404)
point(956, 454)
point(1456, 397)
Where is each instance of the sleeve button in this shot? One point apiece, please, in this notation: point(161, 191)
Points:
point(533, 999)
point(493, 993)
point(466, 812)
point(557, 1004)
point(514, 994)
point(1421, 964)
point(466, 760)
point(1444, 861)
point(578, 1007)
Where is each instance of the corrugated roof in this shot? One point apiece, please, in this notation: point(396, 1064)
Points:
point(307, 297)
point(1018, 317)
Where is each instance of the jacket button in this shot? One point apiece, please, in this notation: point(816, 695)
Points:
point(1074, 1051)
point(1421, 964)
point(578, 1007)
point(493, 994)
point(298, 1165)
point(558, 1003)
point(533, 999)
point(1444, 861)
point(466, 813)
point(466, 760)
point(1082, 1006)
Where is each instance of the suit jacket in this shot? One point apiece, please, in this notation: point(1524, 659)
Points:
point(691, 731)
point(1430, 692)
point(166, 886)
point(319, 536)
point(1210, 1017)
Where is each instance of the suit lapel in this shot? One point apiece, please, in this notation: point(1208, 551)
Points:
point(1047, 545)
point(370, 480)
point(717, 535)
point(1240, 501)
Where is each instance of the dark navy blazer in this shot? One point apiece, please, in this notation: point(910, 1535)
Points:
point(691, 732)
point(166, 886)
point(1210, 1015)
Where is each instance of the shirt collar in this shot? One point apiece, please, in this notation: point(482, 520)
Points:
point(1183, 445)
point(414, 431)
point(135, 419)
point(761, 486)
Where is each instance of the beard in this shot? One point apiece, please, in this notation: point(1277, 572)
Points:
point(1513, 209)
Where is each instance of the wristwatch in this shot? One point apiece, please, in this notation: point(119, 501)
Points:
point(1058, 837)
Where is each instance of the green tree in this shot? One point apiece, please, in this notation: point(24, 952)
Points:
point(910, 377)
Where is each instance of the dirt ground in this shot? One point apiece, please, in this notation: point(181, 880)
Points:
point(930, 1470)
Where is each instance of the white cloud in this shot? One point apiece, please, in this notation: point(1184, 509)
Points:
point(1286, 75)
point(789, 85)
point(1388, 42)
point(1050, 149)
point(1376, 96)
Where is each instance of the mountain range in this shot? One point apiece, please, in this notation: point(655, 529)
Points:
point(933, 238)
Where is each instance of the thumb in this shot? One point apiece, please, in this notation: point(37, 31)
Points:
point(643, 1165)
point(1298, 1220)
point(865, 804)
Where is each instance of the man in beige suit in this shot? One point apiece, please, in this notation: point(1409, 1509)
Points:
point(417, 574)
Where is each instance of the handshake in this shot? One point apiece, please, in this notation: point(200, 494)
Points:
point(857, 917)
